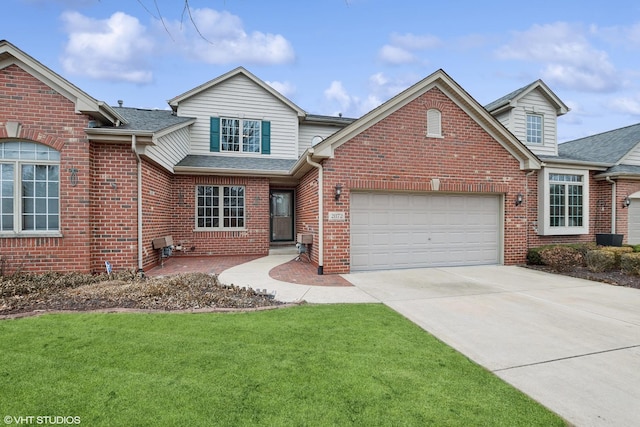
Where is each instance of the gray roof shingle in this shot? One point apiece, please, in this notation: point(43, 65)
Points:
point(507, 98)
point(239, 163)
point(148, 120)
point(607, 147)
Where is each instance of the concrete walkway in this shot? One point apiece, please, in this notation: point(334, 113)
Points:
point(255, 274)
point(571, 344)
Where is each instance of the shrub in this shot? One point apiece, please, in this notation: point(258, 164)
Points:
point(630, 263)
point(561, 258)
point(600, 260)
point(533, 254)
point(636, 248)
point(618, 251)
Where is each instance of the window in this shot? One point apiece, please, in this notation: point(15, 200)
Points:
point(29, 188)
point(240, 136)
point(220, 206)
point(534, 129)
point(565, 202)
point(434, 123)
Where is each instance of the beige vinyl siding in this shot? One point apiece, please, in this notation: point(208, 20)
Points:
point(169, 149)
point(535, 103)
point(504, 118)
point(239, 97)
point(633, 158)
point(308, 132)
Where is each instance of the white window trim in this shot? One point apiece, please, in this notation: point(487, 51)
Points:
point(526, 128)
point(434, 115)
point(18, 230)
point(544, 207)
point(241, 127)
point(221, 207)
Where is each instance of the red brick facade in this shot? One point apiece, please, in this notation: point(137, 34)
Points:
point(48, 118)
point(99, 187)
point(395, 155)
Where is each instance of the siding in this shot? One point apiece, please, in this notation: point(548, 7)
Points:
point(633, 158)
point(535, 102)
point(170, 149)
point(308, 132)
point(240, 97)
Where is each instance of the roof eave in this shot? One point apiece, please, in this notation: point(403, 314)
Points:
point(194, 170)
point(590, 165)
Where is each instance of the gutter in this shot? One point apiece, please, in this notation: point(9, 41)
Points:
point(320, 213)
point(139, 167)
point(613, 204)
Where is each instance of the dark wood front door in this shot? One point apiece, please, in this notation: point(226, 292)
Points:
point(281, 215)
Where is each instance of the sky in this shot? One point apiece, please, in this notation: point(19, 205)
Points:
point(343, 56)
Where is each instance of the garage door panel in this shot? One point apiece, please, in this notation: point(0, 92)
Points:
point(398, 230)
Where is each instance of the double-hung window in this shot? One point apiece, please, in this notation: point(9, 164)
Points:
point(29, 188)
point(565, 202)
point(220, 207)
point(229, 135)
point(534, 129)
point(240, 135)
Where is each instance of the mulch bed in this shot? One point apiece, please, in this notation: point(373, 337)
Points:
point(616, 277)
point(30, 293)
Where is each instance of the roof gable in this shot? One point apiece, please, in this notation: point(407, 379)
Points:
point(174, 102)
point(511, 100)
point(450, 88)
point(84, 104)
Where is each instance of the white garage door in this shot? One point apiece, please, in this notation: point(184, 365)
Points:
point(405, 230)
point(634, 222)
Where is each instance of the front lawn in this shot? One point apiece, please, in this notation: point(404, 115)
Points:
point(307, 365)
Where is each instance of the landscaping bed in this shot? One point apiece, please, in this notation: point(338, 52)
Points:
point(27, 293)
point(617, 278)
point(619, 266)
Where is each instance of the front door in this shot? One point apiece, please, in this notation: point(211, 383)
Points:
point(281, 215)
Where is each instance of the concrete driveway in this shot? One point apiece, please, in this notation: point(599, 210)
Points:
point(571, 344)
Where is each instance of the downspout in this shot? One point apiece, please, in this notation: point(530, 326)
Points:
point(134, 148)
point(613, 204)
point(320, 213)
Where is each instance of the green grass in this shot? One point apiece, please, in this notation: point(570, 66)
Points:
point(309, 365)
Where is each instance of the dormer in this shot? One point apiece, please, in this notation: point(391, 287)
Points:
point(531, 114)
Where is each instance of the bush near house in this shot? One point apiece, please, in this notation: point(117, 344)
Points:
point(630, 263)
point(601, 260)
point(561, 258)
point(534, 257)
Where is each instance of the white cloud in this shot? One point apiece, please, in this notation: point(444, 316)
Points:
point(111, 49)
point(626, 105)
point(395, 55)
point(380, 89)
point(402, 48)
point(336, 92)
point(287, 89)
point(414, 42)
point(567, 57)
point(219, 38)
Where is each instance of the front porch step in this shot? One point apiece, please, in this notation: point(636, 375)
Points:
point(283, 249)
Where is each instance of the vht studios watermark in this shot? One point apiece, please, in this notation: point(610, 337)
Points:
point(41, 420)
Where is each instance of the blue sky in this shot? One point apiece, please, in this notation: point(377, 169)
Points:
point(343, 56)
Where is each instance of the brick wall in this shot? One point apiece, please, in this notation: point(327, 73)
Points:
point(253, 240)
point(307, 209)
point(624, 188)
point(114, 207)
point(159, 203)
point(48, 118)
point(396, 155)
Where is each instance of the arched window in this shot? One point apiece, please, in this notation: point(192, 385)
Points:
point(434, 123)
point(29, 188)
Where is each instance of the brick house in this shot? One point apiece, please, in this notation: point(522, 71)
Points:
point(429, 178)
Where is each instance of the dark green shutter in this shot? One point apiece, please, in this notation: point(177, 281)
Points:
point(214, 134)
point(266, 137)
